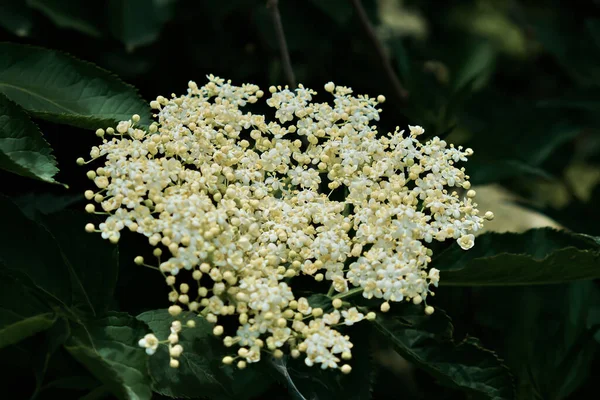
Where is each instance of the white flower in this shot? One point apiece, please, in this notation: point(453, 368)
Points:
point(352, 316)
point(241, 204)
point(466, 241)
point(332, 318)
point(150, 343)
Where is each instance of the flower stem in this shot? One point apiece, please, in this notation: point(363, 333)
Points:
point(348, 293)
point(273, 6)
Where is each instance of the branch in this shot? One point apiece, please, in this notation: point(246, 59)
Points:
point(273, 5)
point(383, 59)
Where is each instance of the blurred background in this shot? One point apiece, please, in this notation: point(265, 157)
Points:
point(517, 81)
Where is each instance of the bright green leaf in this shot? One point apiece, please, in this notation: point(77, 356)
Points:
point(108, 348)
point(426, 341)
point(23, 150)
point(60, 88)
point(536, 257)
point(201, 369)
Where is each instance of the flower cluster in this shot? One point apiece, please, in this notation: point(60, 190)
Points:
point(237, 206)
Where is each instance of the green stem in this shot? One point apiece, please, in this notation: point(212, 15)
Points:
point(348, 293)
point(330, 291)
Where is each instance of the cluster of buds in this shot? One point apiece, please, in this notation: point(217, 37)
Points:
point(237, 206)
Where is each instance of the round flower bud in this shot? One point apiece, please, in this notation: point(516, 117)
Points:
point(278, 353)
point(337, 303)
point(100, 132)
point(227, 360)
point(471, 193)
point(295, 353)
point(184, 299)
point(371, 316)
point(91, 174)
point(190, 323)
point(174, 363)
point(135, 118)
point(218, 330)
point(157, 252)
point(346, 369)
point(489, 215)
point(346, 355)
point(429, 310)
point(176, 350)
point(139, 260)
point(175, 310)
point(173, 338)
point(170, 280)
point(80, 161)
point(381, 98)
point(241, 364)
point(89, 228)
point(330, 87)
point(385, 307)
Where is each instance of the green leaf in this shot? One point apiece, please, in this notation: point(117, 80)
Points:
point(35, 205)
point(54, 337)
point(402, 60)
point(583, 98)
point(108, 348)
point(29, 250)
point(338, 10)
point(23, 150)
point(545, 333)
point(536, 257)
point(16, 17)
point(484, 171)
point(125, 17)
point(93, 262)
point(574, 48)
point(427, 342)
point(60, 88)
point(478, 66)
point(320, 301)
point(70, 14)
point(22, 312)
point(201, 370)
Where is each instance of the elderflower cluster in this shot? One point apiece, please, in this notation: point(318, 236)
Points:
point(236, 206)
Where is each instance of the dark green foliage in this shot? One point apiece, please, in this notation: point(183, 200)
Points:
point(516, 81)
